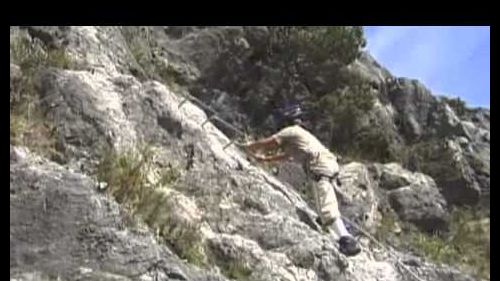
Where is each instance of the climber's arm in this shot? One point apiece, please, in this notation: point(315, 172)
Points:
point(271, 143)
point(272, 158)
point(265, 144)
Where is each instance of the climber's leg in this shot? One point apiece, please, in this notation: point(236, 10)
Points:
point(327, 206)
point(326, 201)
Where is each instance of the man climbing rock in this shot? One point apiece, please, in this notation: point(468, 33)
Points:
point(295, 142)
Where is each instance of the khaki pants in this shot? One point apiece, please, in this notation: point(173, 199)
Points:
point(326, 200)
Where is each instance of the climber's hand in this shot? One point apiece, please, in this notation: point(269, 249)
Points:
point(241, 145)
point(259, 158)
point(256, 156)
point(245, 147)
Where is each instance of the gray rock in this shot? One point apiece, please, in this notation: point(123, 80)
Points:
point(356, 195)
point(61, 227)
point(414, 103)
point(15, 78)
point(177, 32)
point(393, 176)
point(15, 83)
point(414, 196)
point(461, 187)
point(420, 205)
point(370, 70)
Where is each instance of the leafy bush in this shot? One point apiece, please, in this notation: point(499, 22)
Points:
point(342, 111)
point(374, 144)
point(142, 48)
point(432, 158)
point(31, 55)
point(28, 54)
point(128, 175)
point(339, 44)
point(28, 125)
point(388, 223)
point(35, 133)
point(337, 114)
point(186, 241)
point(466, 245)
point(236, 270)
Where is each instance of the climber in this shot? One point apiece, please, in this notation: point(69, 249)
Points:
point(294, 142)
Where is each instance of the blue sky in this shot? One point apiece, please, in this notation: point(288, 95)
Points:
point(452, 61)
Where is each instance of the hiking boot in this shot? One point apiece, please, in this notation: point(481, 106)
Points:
point(349, 246)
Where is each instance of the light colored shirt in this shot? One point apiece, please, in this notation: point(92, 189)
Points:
point(306, 149)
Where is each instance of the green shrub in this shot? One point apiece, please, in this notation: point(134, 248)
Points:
point(434, 248)
point(236, 270)
point(128, 175)
point(432, 158)
point(36, 134)
point(27, 54)
point(345, 107)
point(385, 230)
point(60, 59)
point(142, 47)
point(343, 111)
point(368, 144)
point(346, 100)
point(340, 44)
point(186, 241)
point(466, 245)
point(28, 124)
point(169, 75)
point(31, 55)
point(125, 173)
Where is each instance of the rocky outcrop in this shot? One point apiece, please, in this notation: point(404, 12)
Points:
point(239, 202)
point(251, 223)
point(15, 80)
point(357, 195)
point(414, 196)
point(62, 228)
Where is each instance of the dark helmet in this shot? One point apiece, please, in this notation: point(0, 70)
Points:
point(291, 114)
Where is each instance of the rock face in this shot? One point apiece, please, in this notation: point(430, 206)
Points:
point(253, 224)
point(240, 86)
point(60, 227)
point(422, 116)
point(414, 196)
